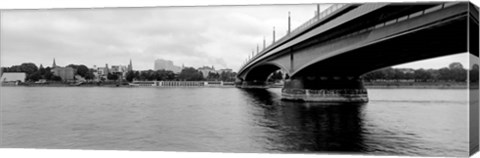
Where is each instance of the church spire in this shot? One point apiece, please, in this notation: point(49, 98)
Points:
point(130, 67)
point(54, 65)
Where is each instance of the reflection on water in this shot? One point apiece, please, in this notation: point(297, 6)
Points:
point(308, 126)
point(395, 121)
point(400, 125)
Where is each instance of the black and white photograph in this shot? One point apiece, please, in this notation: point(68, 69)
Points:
point(322, 78)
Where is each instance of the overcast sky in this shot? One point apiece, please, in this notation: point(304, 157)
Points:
point(222, 36)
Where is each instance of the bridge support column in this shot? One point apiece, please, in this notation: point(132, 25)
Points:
point(252, 84)
point(325, 89)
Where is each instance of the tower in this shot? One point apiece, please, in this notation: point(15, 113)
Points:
point(106, 69)
point(54, 65)
point(318, 11)
point(263, 42)
point(273, 41)
point(258, 50)
point(288, 23)
point(130, 68)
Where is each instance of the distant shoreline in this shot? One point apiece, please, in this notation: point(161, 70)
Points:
point(105, 84)
point(368, 85)
point(416, 85)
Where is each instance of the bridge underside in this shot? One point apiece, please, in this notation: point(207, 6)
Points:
point(335, 77)
point(440, 40)
point(257, 77)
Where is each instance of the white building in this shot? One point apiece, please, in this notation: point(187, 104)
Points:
point(13, 76)
point(206, 70)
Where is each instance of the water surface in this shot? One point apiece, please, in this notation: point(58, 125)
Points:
point(395, 121)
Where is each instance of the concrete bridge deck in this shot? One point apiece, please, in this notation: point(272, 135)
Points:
point(331, 52)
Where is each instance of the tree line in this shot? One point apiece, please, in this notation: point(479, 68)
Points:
point(187, 74)
point(34, 73)
point(455, 72)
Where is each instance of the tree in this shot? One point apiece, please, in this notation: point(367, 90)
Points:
point(169, 75)
point(422, 75)
point(164, 75)
point(81, 70)
point(275, 76)
point(56, 78)
point(190, 74)
point(374, 75)
point(35, 76)
point(224, 76)
point(137, 75)
point(28, 68)
point(227, 76)
point(474, 73)
point(48, 75)
point(130, 76)
point(111, 76)
point(454, 72)
point(444, 74)
point(41, 69)
point(455, 66)
point(213, 76)
point(89, 75)
point(458, 73)
point(145, 75)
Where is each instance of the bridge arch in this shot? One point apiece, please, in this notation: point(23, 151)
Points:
point(260, 73)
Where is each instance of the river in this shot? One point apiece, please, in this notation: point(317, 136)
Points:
point(429, 122)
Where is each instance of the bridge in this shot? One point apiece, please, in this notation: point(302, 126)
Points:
point(324, 58)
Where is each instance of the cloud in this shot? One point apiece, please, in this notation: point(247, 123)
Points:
point(222, 36)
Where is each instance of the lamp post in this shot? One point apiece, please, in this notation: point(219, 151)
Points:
point(288, 23)
point(273, 35)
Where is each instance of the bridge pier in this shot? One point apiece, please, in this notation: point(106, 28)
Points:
point(325, 89)
point(252, 84)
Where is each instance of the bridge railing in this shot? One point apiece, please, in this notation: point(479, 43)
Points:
point(399, 19)
point(299, 29)
point(317, 18)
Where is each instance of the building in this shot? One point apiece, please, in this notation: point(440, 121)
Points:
point(99, 73)
point(118, 69)
point(161, 64)
point(205, 70)
point(13, 77)
point(102, 72)
point(224, 71)
point(66, 73)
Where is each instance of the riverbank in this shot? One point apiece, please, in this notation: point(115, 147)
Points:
point(415, 85)
point(368, 85)
point(121, 84)
point(63, 84)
